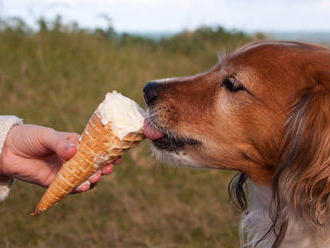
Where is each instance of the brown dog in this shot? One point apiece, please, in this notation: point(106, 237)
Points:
point(264, 111)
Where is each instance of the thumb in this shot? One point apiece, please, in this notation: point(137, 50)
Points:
point(61, 144)
point(68, 150)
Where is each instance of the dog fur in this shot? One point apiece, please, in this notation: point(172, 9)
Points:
point(263, 111)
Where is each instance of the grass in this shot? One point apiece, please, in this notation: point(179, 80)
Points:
point(56, 78)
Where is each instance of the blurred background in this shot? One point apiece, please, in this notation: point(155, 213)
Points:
point(58, 59)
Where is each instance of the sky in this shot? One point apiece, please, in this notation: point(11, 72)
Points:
point(176, 15)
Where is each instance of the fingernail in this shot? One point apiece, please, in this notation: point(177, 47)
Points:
point(84, 186)
point(69, 146)
point(96, 177)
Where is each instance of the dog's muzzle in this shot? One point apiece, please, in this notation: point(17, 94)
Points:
point(162, 137)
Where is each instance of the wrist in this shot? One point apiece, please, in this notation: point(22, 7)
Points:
point(7, 124)
point(3, 171)
point(12, 132)
point(8, 149)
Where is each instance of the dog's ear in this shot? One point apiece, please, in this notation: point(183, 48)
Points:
point(301, 183)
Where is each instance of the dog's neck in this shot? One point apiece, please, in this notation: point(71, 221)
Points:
point(256, 222)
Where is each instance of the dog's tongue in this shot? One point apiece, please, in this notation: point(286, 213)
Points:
point(151, 132)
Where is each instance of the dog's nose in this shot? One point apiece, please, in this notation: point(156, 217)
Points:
point(151, 92)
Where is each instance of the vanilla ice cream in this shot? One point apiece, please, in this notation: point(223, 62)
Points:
point(125, 115)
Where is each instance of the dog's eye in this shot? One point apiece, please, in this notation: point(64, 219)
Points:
point(232, 84)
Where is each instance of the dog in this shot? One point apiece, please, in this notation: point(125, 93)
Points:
point(264, 111)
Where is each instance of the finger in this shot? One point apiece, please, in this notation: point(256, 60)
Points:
point(58, 142)
point(70, 149)
point(118, 161)
point(68, 141)
point(71, 137)
point(96, 177)
point(107, 169)
point(67, 151)
point(83, 187)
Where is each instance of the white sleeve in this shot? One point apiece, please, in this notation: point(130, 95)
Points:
point(6, 122)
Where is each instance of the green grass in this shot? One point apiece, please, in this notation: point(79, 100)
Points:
point(57, 78)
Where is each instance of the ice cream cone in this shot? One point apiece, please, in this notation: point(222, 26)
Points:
point(97, 146)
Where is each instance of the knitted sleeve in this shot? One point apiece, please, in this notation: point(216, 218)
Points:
point(6, 122)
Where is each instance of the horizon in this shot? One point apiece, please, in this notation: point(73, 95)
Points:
point(294, 35)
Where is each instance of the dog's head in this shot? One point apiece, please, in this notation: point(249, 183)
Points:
point(263, 110)
point(233, 116)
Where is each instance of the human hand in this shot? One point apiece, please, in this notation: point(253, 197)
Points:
point(35, 154)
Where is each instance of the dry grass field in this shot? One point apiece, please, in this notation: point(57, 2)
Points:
point(56, 77)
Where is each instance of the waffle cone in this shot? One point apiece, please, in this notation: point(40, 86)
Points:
point(97, 146)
